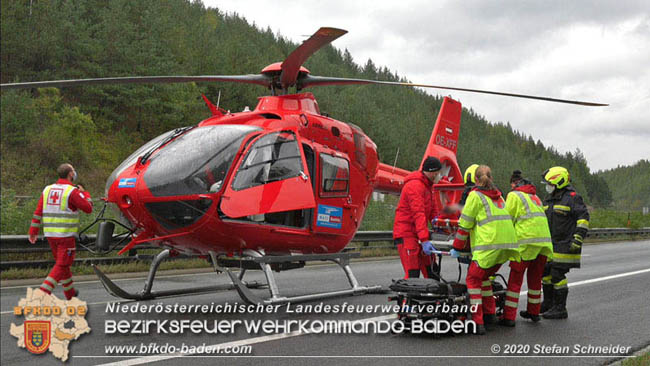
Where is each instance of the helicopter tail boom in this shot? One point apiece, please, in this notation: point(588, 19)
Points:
point(443, 144)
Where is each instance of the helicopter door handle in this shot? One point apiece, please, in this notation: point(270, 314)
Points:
point(304, 176)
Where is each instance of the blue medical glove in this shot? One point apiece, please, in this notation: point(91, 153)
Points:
point(428, 248)
point(454, 253)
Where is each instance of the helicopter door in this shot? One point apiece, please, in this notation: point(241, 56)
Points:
point(334, 190)
point(270, 178)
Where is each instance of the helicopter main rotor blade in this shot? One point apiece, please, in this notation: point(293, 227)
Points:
point(309, 80)
point(248, 79)
point(291, 65)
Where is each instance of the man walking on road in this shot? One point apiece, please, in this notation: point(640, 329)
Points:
point(58, 213)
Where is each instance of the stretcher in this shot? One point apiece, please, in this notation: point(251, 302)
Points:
point(425, 299)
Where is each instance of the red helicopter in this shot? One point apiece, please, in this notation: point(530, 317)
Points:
point(264, 189)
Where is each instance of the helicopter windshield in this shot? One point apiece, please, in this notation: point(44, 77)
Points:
point(133, 157)
point(196, 162)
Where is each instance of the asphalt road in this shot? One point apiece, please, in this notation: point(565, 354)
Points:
point(608, 305)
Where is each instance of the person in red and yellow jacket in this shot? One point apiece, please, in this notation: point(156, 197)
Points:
point(493, 241)
point(58, 213)
point(414, 212)
point(535, 246)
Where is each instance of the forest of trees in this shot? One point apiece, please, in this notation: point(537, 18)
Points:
point(630, 185)
point(96, 127)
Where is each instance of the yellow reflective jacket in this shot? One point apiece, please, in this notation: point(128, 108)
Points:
point(531, 226)
point(492, 236)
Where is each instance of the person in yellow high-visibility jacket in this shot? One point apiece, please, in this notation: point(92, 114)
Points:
point(535, 246)
point(492, 240)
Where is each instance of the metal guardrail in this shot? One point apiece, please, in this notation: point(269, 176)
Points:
point(14, 244)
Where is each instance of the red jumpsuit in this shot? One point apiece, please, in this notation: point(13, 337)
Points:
point(63, 249)
point(414, 211)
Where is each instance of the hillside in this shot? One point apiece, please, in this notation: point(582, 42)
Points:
point(630, 185)
point(96, 127)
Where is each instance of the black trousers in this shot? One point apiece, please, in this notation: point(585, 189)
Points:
point(555, 274)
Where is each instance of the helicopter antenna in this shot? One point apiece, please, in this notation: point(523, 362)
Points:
point(395, 163)
point(218, 98)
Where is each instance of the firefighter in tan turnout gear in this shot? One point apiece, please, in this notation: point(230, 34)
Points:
point(568, 220)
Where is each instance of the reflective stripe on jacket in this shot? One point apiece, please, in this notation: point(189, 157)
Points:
point(568, 220)
point(492, 236)
point(59, 221)
point(531, 226)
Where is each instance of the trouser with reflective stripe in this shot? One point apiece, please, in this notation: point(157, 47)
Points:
point(413, 258)
point(64, 251)
point(479, 288)
point(557, 273)
point(534, 278)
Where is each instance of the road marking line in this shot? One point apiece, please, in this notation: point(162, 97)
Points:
point(187, 274)
point(122, 279)
point(594, 280)
point(273, 337)
point(522, 293)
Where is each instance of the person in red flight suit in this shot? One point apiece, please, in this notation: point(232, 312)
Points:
point(58, 213)
point(414, 211)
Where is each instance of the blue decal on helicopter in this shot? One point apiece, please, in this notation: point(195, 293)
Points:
point(329, 216)
point(127, 183)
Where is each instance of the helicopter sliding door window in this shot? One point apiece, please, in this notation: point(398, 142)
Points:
point(272, 158)
point(335, 176)
point(270, 178)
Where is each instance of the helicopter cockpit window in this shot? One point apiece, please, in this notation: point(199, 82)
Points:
point(335, 176)
point(273, 157)
point(196, 162)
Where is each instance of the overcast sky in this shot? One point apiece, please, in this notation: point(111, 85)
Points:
point(581, 50)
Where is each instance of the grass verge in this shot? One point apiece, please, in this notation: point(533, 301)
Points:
point(642, 360)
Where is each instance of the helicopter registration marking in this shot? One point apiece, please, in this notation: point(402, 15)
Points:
point(329, 216)
point(127, 183)
point(447, 142)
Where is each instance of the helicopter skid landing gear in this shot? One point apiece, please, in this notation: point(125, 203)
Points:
point(268, 263)
point(147, 294)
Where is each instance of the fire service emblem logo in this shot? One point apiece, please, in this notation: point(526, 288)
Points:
point(37, 336)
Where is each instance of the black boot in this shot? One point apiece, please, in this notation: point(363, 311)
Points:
point(506, 322)
point(490, 321)
point(547, 303)
point(558, 311)
point(526, 315)
point(480, 329)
